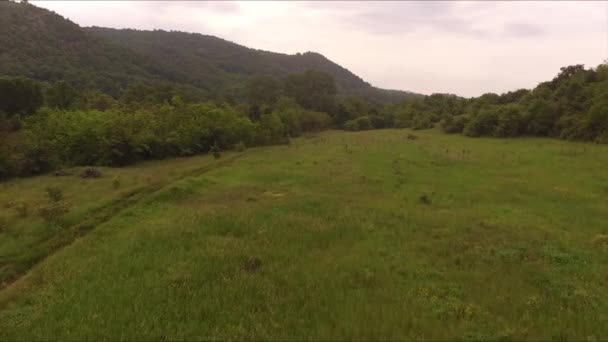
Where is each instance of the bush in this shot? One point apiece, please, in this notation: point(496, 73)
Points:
point(482, 124)
point(509, 121)
point(56, 208)
point(422, 122)
point(54, 194)
point(240, 147)
point(541, 116)
point(361, 123)
point(215, 150)
point(351, 125)
point(378, 121)
point(22, 209)
point(314, 121)
point(90, 172)
point(6, 169)
point(3, 224)
point(364, 123)
point(116, 183)
point(454, 124)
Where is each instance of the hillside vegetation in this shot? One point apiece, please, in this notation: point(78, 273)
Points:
point(389, 234)
point(216, 64)
point(42, 45)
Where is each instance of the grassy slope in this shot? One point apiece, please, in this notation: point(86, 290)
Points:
point(511, 245)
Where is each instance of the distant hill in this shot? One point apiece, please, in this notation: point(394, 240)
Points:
point(41, 44)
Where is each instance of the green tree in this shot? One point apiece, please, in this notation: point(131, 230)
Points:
point(541, 117)
point(19, 96)
point(61, 95)
point(313, 90)
point(263, 90)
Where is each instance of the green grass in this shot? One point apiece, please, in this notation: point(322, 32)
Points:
point(366, 235)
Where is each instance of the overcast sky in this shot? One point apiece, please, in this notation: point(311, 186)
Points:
point(464, 48)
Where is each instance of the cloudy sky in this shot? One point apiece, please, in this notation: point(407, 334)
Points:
point(465, 48)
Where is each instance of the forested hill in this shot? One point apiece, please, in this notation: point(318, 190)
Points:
point(42, 45)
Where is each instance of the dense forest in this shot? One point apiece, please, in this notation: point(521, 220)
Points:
point(70, 96)
point(43, 45)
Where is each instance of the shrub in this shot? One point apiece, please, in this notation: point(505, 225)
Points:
point(54, 194)
point(5, 166)
point(482, 124)
point(361, 123)
point(54, 212)
point(378, 121)
point(3, 224)
point(116, 183)
point(215, 150)
point(90, 172)
point(22, 209)
point(56, 208)
point(314, 121)
point(541, 116)
point(454, 124)
point(425, 199)
point(351, 125)
point(364, 123)
point(509, 121)
point(422, 122)
point(240, 147)
point(411, 136)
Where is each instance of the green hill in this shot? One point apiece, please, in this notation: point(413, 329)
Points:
point(43, 45)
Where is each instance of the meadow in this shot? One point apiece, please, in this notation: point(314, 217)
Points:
point(385, 234)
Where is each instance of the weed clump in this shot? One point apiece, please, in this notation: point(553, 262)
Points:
point(252, 265)
point(54, 194)
point(62, 173)
point(90, 172)
point(22, 209)
point(425, 199)
point(600, 240)
point(56, 208)
point(411, 136)
point(116, 183)
point(240, 147)
point(215, 150)
point(3, 224)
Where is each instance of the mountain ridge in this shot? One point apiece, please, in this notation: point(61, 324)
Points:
point(44, 45)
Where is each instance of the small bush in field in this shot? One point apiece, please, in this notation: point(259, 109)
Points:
point(600, 240)
point(56, 208)
point(116, 183)
point(91, 172)
point(22, 209)
point(3, 224)
point(240, 147)
point(425, 199)
point(54, 194)
point(215, 150)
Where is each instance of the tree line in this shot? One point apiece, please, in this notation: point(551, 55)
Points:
point(573, 106)
point(47, 126)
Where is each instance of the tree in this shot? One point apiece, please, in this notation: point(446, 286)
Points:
point(541, 117)
point(566, 73)
point(482, 124)
point(313, 90)
point(263, 90)
point(350, 108)
point(509, 121)
point(19, 96)
point(61, 95)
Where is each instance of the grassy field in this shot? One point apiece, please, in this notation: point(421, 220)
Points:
point(368, 235)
